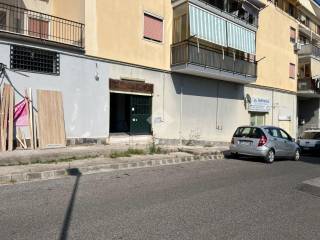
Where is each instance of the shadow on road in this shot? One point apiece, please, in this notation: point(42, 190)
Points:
point(311, 158)
point(68, 216)
point(227, 155)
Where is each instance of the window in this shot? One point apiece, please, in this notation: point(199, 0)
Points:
point(304, 70)
point(34, 60)
point(293, 35)
point(292, 71)
point(307, 70)
point(284, 135)
point(3, 19)
point(180, 28)
point(248, 132)
point(257, 119)
point(274, 132)
point(311, 135)
point(291, 10)
point(38, 28)
point(153, 28)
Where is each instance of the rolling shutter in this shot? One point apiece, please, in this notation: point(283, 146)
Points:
point(153, 28)
point(207, 26)
point(210, 27)
point(241, 38)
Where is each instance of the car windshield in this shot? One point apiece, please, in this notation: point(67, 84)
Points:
point(248, 132)
point(311, 135)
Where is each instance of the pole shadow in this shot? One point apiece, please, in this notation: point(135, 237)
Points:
point(68, 216)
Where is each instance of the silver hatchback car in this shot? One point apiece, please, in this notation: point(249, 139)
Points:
point(266, 141)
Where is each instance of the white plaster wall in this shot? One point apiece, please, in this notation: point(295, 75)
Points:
point(86, 105)
point(283, 104)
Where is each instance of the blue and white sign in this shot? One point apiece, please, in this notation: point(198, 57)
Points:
point(259, 105)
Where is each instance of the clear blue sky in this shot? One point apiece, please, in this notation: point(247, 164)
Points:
point(317, 1)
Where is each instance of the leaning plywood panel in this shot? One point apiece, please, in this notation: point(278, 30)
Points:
point(4, 120)
point(51, 119)
point(10, 119)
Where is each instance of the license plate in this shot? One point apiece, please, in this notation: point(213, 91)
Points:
point(246, 143)
point(306, 148)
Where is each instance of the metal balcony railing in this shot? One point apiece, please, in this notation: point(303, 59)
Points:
point(308, 85)
point(190, 53)
point(37, 25)
point(309, 49)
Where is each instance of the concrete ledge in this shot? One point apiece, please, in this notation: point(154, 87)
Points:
point(311, 186)
point(125, 164)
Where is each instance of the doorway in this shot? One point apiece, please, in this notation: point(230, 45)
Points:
point(130, 114)
point(257, 119)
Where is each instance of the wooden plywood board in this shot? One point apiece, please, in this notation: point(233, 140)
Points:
point(10, 119)
point(4, 114)
point(51, 119)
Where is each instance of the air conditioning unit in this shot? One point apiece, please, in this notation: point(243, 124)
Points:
point(297, 46)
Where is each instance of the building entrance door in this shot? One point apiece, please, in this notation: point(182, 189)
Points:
point(140, 114)
point(130, 114)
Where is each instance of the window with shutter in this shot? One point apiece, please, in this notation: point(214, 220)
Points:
point(3, 19)
point(292, 35)
point(38, 28)
point(153, 28)
point(292, 71)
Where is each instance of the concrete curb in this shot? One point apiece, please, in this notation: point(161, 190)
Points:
point(134, 164)
point(311, 186)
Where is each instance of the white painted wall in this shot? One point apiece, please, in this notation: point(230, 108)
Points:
point(86, 105)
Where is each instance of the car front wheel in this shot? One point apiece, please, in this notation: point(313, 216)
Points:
point(296, 155)
point(269, 158)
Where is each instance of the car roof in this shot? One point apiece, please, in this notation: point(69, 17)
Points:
point(312, 130)
point(258, 126)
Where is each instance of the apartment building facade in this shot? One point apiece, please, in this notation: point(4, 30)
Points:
point(176, 70)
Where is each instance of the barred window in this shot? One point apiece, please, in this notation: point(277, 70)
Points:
point(34, 60)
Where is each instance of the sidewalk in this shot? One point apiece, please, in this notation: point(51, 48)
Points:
point(20, 157)
point(44, 168)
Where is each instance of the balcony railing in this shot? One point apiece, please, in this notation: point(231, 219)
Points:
point(37, 25)
point(310, 50)
point(309, 85)
point(190, 53)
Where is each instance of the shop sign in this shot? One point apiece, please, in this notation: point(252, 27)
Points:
point(259, 105)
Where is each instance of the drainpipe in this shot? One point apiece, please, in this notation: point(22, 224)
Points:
point(217, 107)
point(181, 106)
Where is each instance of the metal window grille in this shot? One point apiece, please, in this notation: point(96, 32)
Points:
point(34, 60)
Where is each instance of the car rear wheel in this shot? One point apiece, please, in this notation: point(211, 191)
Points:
point(270, 157)
point(235, 155)
point(296, 155)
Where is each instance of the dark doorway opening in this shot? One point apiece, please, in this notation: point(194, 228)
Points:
point(119, 113)
point(130, 114)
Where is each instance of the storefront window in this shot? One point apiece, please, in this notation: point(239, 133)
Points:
point(257, 119)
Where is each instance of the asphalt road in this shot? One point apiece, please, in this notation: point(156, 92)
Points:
point(224, 199)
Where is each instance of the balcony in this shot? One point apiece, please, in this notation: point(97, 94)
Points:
point(309, 50)
point(228, 10)
point(31, 25)
point(309, 87)
point(199, 60)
